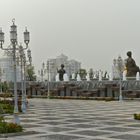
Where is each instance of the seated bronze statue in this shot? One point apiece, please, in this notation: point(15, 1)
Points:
point(131, 66)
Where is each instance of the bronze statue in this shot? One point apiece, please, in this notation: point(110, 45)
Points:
point(131, 66)
point(61, 72)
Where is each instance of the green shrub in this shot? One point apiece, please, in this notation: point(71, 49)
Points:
point(10, 127)
point(6, 127)
point(7, 108)
point(1, 119)
point(136, 116)
point(6, 95)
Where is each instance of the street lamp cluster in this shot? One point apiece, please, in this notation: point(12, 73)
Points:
point(23, 74)
point(46, 70)
point(14, 47)
point(42, 71)
point(120, 67)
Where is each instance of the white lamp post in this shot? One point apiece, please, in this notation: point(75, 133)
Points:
point(14, 47)
point(50, 66)
point(21, 53)
point(48, 69)
point(120, 69)
point(42, 71)
point(29, 56)
point(24, 101)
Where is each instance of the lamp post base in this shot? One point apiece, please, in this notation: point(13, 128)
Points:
point(48, 95)
point(120, 98)
point(16, 119)
point(23, 107)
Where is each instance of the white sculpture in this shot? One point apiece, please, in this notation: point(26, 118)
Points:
point(73, 76)
point(110, 76)
point(65, 77)
point(57, 77)
point(124, 75)
point(94, 76)
point(78, 77)
point(88, 77)
point(137, 76)
point(100, 76)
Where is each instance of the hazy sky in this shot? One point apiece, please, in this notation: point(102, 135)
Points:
point(90, 31)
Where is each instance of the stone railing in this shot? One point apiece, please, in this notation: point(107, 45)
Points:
point(104, 88)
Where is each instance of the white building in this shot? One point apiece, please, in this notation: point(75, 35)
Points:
point(71, 66)
point(7, 71)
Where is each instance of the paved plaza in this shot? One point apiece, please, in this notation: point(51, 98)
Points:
point(51, 119)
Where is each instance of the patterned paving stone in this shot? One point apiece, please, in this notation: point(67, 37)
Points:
point(82, 126)
point(91, 133)
point(25, 126)
point(50, 118)
point(52, 123)
point(127, 137)
point(70, 116)
point(79, 120)
point(60, 137)
point(58, 129)
point(111, 123)
point(28, 120)
point(18, 134)
point(134, 125)
point(118, 129)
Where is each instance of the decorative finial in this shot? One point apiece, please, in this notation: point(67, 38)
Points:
point(25, 28)
point(20, 43)
point(13, 20)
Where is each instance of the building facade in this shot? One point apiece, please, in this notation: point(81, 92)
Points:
point(7, 70)
point(71, 66)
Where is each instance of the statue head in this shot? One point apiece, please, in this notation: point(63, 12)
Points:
point(129, 53)
point(62, 66)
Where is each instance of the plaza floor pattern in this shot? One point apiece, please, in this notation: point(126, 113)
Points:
point(51, 119)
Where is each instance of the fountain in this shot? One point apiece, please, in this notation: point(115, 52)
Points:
point(124, 75)
point(137, 76)
point(100, 76)
point(94, 76)
point(65, 77)
point(88, 77)
point(57, 77)
point(78, 77)
point(110, 76)
point(73, 76)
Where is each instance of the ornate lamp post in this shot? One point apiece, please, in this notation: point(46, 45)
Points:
point(24, 101)
point(21, 52)
point(29, 67)
point(120, 70)
point(1, 72)
point(14, 47)
point(23, 77)
point(49, 67)
point(24, 107)
point(42, 72)
point(29, 56)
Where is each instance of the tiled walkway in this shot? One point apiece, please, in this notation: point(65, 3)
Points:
point(79, 120)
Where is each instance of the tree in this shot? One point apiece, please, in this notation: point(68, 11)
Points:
point(91, 73)
point(82, 73)
point(31, 73)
